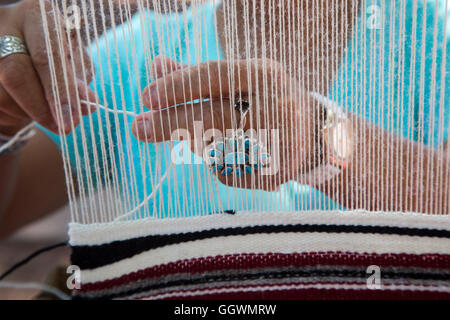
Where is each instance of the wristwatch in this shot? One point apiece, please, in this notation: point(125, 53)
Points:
point(336, 143)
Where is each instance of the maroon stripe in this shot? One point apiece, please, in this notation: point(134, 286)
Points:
point(318, 294)
point(251, 261)
point(284, 292)
point(293, 294)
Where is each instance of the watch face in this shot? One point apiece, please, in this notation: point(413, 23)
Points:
point(341, 140)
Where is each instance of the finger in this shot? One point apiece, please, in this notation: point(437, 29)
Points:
point(83, 71)
point(64, 103)
point(194, 118)
point(86, 94)
point(82, 62)
point(80, 57)
point(19, 79)
point(163, 65)
point(207, 80)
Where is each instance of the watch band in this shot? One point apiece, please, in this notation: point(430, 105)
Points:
point(319, 146)
point(332, 162)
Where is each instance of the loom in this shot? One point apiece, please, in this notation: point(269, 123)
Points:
point(157, 217)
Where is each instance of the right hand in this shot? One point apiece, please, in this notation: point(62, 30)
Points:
point(26, 88)
point(281, 106)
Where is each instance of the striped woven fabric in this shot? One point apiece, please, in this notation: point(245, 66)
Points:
point(266, 256)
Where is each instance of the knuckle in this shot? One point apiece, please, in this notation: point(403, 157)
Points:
point(260, 61)
point(270, 65)
point(275, 66)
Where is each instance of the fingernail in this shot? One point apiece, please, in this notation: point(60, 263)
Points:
point(142, 130)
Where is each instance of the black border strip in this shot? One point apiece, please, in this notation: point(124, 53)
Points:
point(90, 257)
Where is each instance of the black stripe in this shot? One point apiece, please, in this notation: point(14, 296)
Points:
point(274, 275)
point(89, 257)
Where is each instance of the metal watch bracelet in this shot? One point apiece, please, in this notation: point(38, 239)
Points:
point(325, 167)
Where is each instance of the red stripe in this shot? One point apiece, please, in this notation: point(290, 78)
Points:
point(284, 292)
point(318, 294)
point(251, 261)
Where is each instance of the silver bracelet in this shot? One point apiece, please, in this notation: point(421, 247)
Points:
point(10, 144)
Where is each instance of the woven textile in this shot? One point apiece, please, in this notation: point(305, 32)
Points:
point(274, 256)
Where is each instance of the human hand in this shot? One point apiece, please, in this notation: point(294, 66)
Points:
point(27, 92)
point(277, 104)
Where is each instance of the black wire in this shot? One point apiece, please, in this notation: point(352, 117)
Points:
point(29, 258)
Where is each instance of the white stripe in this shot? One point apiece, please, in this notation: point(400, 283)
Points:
point(295, 287)
point(265, 243)
point(96, 234)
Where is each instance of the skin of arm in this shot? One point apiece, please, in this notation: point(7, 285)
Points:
point(32, 184)
point(390, 173)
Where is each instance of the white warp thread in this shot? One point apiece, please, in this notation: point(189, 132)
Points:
point(318, 43)
point(18, 135)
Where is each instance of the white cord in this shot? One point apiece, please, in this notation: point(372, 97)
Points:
point(157, 187)
point(99, 106)
point(151, 195)
point(18, 135)
point(34, 286)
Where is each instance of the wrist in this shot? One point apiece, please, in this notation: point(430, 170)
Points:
point(332, 141)
point(313, 142)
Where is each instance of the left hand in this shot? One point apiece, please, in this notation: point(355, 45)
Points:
point(27, 92)
point(277, 102)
